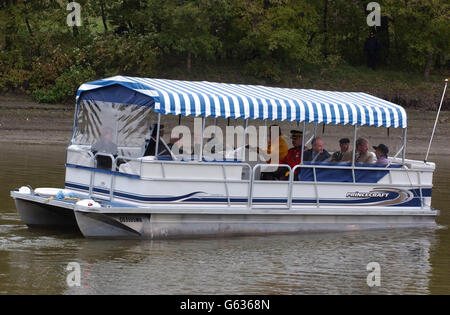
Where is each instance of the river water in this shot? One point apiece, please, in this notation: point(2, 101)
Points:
point(412, 261)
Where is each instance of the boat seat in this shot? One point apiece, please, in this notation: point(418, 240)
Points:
point(79, 155)
point(344, 173)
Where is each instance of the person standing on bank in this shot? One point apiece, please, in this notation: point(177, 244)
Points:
point(122, 29)
point(372, 48)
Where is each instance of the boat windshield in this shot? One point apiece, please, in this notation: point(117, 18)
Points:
point(127, 125)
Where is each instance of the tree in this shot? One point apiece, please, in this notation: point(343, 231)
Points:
point(421, 31)
point(187, 31)
point(276, 34)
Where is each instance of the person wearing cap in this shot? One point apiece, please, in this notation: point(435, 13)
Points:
point(317, 153)
point(381, 151)
point(294, 155)
point(343, 155)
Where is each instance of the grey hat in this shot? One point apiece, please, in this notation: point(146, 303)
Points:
point(383, 148)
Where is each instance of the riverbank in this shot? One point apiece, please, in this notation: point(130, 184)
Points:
point(22, 121)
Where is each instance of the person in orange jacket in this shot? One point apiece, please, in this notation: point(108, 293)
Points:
point(279, 146)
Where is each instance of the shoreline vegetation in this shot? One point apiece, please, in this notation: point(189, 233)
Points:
point(287, 43)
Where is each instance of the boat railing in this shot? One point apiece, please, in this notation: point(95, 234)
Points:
point(270, 167)
point(245, 174)
point(251, 176)
point(92, 174)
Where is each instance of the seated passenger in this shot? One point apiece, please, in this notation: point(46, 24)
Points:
point(317, 153)
point(293, 157)
point(276, 150)
point(362, 154)
point(151, 147)
point(343, 155)
point(105, 145)
point(381, 151)
point(279, 148)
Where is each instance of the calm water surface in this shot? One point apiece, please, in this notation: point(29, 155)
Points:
point(412, 261)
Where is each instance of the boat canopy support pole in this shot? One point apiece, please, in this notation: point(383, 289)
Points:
point(245, 138)
point(404, 146)
point(200, 154)
point(303, 141)
point(312, 136)
point(157, 135)
point(355, 132)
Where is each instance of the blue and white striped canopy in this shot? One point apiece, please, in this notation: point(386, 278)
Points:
point(259, 102)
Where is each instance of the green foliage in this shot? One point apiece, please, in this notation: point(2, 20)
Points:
point(128, 55)
point(264, 39)
point(63, 89)
point(421, 30)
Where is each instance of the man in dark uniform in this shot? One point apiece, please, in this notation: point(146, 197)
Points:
point(372, 48)
point(294, 155)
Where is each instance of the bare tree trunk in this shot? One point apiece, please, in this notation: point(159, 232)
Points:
point(325, 29)
point(28, 26)
point(102, 6)
point(189, 62)
point(428, 65)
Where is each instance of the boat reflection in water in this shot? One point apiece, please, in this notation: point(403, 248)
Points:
point(319, 263)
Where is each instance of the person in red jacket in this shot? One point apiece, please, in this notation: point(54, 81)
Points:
point(294, 156)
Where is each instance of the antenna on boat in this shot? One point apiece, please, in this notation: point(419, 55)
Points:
point(435, 122)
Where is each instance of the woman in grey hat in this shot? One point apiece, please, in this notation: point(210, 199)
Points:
point(381, 151)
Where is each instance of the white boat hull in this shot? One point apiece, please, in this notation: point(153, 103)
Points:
point(185, 224)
